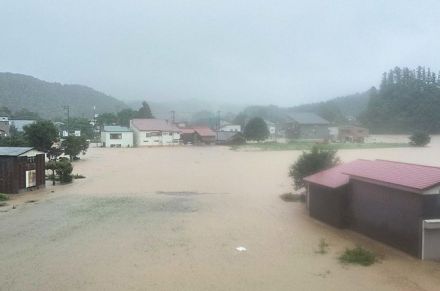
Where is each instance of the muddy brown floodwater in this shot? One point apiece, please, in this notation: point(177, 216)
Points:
point(172, 218)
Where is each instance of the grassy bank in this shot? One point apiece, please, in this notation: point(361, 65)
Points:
point(306, 145)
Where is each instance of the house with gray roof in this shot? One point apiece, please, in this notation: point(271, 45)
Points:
point(306, 125)
point(21, 168)
point(116, 137)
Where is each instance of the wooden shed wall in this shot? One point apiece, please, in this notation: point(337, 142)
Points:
point(328, 205)
point(388, 215)
point(9, 175)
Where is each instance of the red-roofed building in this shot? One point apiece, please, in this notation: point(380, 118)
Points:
point(396, 203)
point(204, 135)
point(154, 132)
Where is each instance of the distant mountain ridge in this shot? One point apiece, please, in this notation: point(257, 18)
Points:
point(19, 91)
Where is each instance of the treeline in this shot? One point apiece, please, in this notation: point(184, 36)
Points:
point(407, 100)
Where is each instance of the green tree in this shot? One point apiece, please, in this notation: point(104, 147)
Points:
point(256, 129)
point(4, 111)
point(16, 140)
point(26, 114)
point(420, 139)
point(107, 119)
point(41, 134)
point(74, 145)
point(309, 163)
point(145, 111)
point(82, 124)
point(63, 169)
point(125, 115)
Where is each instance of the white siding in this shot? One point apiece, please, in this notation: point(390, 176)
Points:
point(231, 127)
point(155, 138)
point(125, 141)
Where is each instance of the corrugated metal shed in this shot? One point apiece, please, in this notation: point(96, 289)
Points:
point(14, 151)
point(412, 176)
point(204, 131)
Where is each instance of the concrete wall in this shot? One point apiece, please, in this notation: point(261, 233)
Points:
point(125, 141)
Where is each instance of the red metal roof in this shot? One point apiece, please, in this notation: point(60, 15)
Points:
point(334, 177)
point(412, 176)
point(154, 125)
point(392, 174)
point(204, 131)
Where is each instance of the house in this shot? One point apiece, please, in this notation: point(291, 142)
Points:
point(351, 133)
point(304, 125)
point(204, 135)
point(392, 202)
point(272, 129)
point(228, 137)
point(154, 132)
point(4, 126)
point(230, 127)
point(187, 135)
point(21, 168)
point(116, 137)
point(19, 124)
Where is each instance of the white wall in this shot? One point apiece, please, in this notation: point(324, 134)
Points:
point(155, 138)
point(231, 127)
point(125, 141)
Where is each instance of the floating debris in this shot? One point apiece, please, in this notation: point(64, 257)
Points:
point(241, 249)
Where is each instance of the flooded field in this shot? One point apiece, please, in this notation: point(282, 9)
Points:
point(173, 218)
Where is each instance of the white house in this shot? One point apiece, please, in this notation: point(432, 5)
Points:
point(231, 127)
point(154, 132)
point(116, 137)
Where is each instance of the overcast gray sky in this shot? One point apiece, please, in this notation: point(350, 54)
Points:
point(242, 51)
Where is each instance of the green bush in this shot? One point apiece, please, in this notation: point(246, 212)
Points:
point(64, 170)
point(359, 256)
point(419, 139)
point(309, 163)
point(4, 197)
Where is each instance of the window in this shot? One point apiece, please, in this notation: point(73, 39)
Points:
point(115, 135)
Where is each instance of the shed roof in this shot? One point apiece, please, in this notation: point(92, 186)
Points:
point(412, 176)
point(307, 118)
point(334, 177)
point(204, 131)
point(14, 151)
point(154, 125)
point(116, 128)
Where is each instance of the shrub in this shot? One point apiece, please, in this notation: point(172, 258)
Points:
point(419, 139)
point(309, 163)
point(78, 176)
point(256, 129)
point(359, 256)
point(4, 197)
point(64, 170)
point(323, 247)
point(291, 197)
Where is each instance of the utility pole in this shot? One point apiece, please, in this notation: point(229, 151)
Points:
point(218, 120)
point(173, 116)
point(67, 108)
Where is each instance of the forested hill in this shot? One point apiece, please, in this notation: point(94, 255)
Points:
point(47, 99)
point(407, 101)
